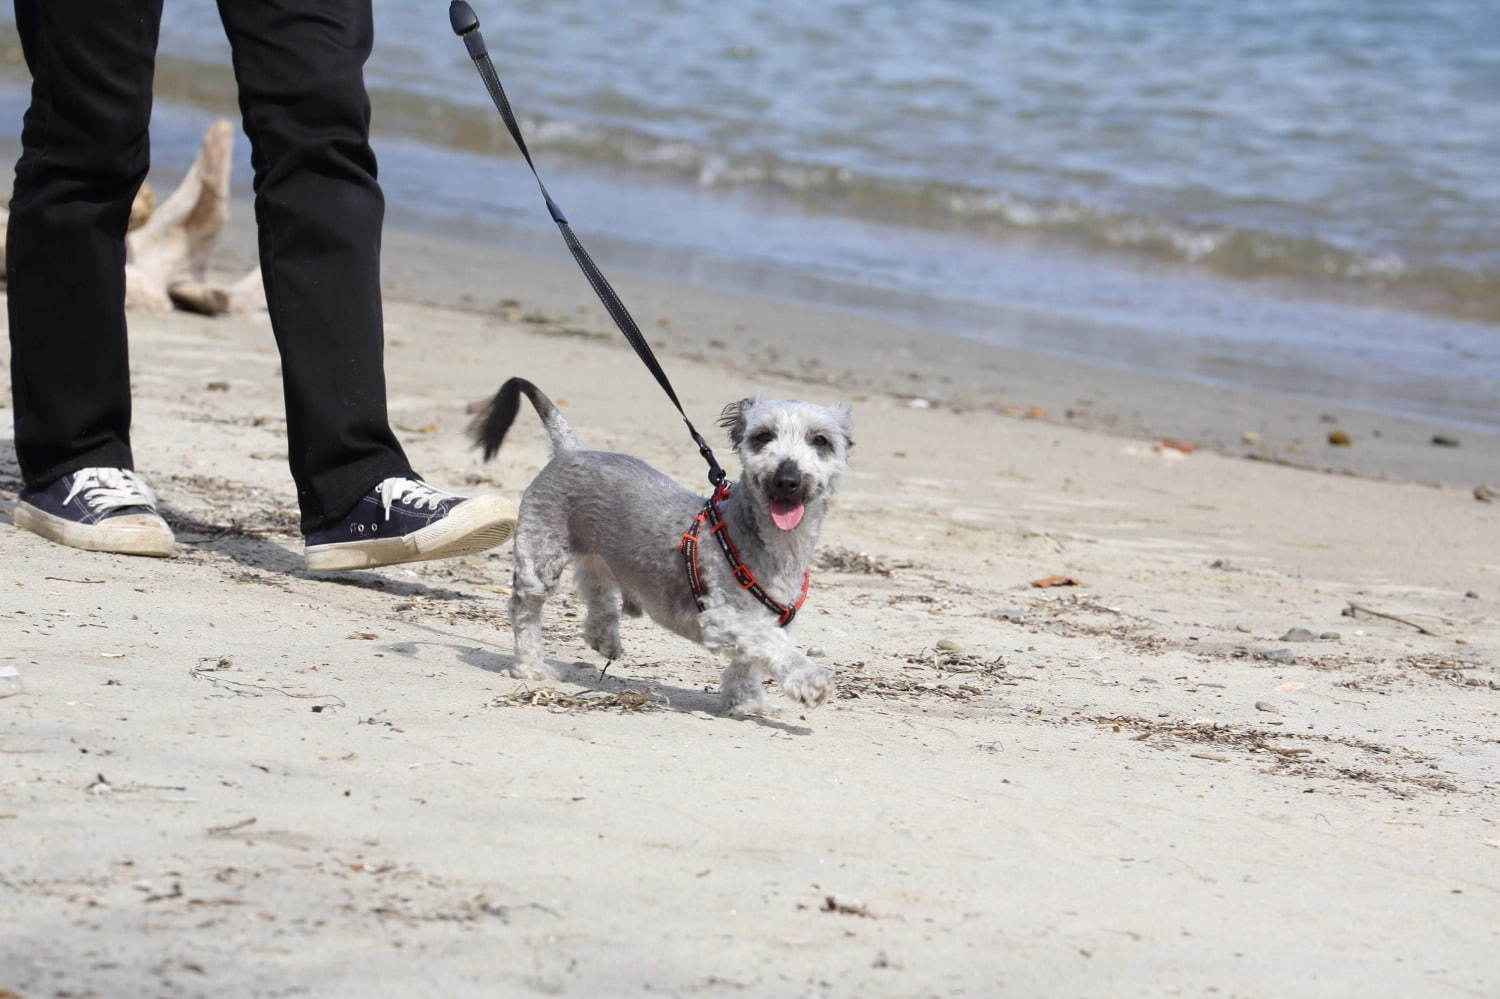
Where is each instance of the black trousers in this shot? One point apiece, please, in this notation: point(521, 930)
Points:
point(85, 151)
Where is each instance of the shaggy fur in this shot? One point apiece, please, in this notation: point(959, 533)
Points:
point(619, 522)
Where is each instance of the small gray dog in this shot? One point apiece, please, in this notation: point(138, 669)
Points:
point(623, 524)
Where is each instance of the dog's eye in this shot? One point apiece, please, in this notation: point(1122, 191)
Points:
point(822, 443)
point(763, 438)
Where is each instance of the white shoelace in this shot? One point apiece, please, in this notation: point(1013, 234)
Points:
point(106, 489)
point(418, 494)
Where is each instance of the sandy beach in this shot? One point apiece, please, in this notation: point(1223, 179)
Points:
point(227, 776)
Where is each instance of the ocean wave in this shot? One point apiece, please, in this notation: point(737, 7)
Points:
point(1321, 265)
point(1224, 250)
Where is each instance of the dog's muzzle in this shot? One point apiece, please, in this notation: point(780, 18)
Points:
point(785, 489)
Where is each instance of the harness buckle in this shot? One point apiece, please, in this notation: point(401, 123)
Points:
point(744, 576)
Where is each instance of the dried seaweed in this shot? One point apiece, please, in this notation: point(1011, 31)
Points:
point(589, 700)
point(961, 677)
point(1450, 669)
point(1288, 760)
point(858, 563)
point(853, 686)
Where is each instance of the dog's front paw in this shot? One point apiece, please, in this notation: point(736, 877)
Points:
point(811, 686)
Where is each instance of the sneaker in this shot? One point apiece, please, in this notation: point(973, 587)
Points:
point(406, 520)
point(97, 509)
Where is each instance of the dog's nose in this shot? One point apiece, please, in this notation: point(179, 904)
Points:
point(787, 481)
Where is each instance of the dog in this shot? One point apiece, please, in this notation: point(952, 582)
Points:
point(622, 524)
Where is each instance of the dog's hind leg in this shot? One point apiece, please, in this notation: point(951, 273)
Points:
point(538, 569)
point(602, 602)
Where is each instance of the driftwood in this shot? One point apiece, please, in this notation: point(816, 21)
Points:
point(142, 207)
point(169, 244)
point(167, 257)
point(1355, 609)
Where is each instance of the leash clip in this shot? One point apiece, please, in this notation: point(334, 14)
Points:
point(462, 17)
point(716, 473)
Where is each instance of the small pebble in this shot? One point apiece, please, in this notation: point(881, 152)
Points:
point(1281, 656)
point(816, 652)
point(1007, 613)
point(1250, 437)
point(1443, 440)
point(1472, 595)
point(1330, 636)
point(949, 645)
point(1267, 706)
point(1298, 635)
point(1242, 629)
point(1338, 438)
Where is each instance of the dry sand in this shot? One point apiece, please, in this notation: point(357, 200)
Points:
point(229, 777)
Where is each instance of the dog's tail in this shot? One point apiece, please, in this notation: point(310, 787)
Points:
point(493, 422)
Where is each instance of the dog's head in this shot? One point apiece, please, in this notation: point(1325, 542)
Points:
point(793, 453)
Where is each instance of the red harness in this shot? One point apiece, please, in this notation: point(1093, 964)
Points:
point(742, 574)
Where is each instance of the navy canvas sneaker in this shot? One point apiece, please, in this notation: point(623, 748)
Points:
point(98, 509)
point(406, 520)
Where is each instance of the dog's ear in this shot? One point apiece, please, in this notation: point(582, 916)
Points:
point(732, 419)
point(846, 423)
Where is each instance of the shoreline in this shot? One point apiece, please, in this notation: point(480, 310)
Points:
point(844, 350)
point(1153, 351)
point(449, 117)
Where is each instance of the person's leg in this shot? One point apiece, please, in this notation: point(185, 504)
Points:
point(300, 69)
point(85, 151)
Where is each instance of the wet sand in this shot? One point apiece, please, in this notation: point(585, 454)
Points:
point(754, 337)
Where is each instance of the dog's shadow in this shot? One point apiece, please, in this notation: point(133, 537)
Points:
point(693, 703)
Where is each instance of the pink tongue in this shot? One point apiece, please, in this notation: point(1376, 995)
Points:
point(786, 515)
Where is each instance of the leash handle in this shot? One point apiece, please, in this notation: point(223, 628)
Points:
point(466, 26)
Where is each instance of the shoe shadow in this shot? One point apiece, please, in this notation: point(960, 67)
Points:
point(233, 541)
point(247, 547)
point(694, 703)
point(392, 587)
point(241, 543)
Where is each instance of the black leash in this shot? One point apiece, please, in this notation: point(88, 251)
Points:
point(466, 26)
